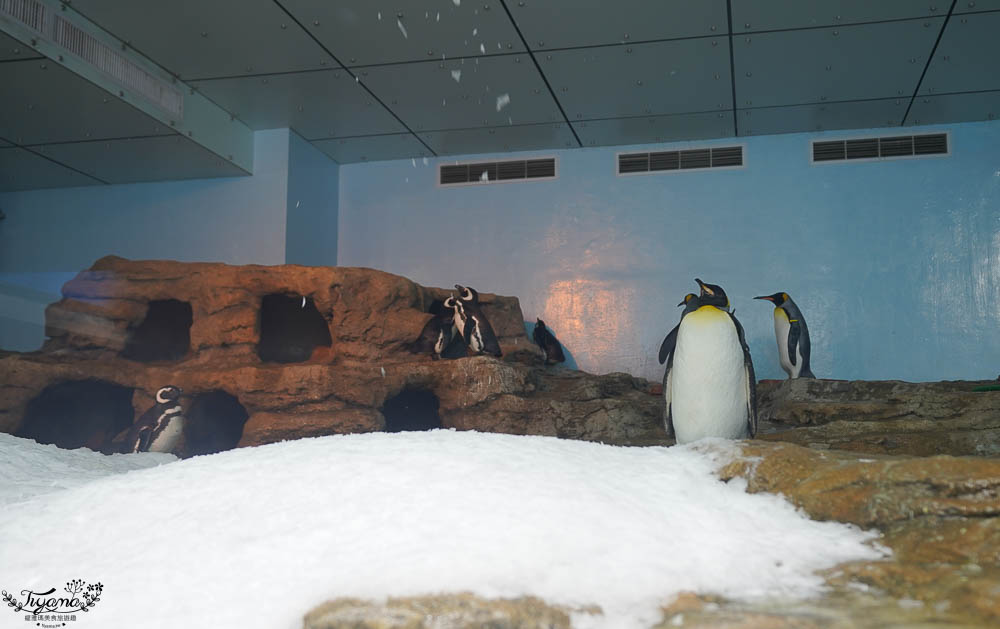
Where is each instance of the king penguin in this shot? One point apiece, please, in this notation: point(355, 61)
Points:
point(159, 428)
point(792, 335)
point(475, 327)
point(709, 387)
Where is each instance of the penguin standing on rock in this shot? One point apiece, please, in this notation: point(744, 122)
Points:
point(547, 341)
point(437, 333)
point(158, 429)
point(709, 386)
point(474, 326)
point(792, 336)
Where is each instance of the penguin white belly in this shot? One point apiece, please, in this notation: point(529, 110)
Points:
point(708, 391)
point(476, 336)
point(168, 437)
point(781, 328)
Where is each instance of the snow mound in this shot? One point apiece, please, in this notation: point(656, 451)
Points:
point(253, 538)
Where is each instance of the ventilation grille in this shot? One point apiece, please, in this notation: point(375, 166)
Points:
point(720, 157)
point(99, 55)
point(492, 172)
point(887, 147)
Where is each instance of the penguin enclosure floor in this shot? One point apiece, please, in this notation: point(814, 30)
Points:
point(297, 523)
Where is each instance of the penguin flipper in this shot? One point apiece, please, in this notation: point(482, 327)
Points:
point(668, 416)
point(669, 343)
point(750, 379)
point(794, 332)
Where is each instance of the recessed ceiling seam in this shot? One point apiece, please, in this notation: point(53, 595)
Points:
point(732, 67)
point(356, 78)
point(927, 65)
point(538, 68)
point(76, 170)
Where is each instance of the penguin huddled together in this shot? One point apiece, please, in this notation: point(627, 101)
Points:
point(461, 316)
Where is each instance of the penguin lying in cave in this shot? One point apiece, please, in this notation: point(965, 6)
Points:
point(472, 324)
point(792, 336)
point(159, 429)
point(549, 344)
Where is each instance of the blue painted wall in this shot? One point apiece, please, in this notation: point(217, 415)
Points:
point(50, 235)
point(311, 226)
point(896, 264)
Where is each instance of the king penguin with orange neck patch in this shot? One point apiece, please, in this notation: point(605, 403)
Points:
point(709, 386)
point(792, 335)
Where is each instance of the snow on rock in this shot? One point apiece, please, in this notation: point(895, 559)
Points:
point(253, 538)
point(29, 469)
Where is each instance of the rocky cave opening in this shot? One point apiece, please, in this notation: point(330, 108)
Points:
point(290, 329)
point(412, 409)
point(78, 413)
point(164, 334)
point(213, 423)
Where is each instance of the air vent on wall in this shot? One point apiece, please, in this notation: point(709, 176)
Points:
point(881, 148)
point(492, 172)
point(717, 157)
point(102, 57)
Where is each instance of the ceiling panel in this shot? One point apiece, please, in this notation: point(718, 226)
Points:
point(647, 129)
point(498, 139)
point(4, 143)
point(836, 64)
point(633, 80)
point(754, 15)
point(954, 108)
point(47, 103)
point(324, 104)
point(822, 117)
point(373, 148)
point(365, 32)
point(464, 93)
point(198, 39)
point(11, 49)
point(966, 57)
point(556, 24)
point(20, 169)
point(141, 159)
point(967, 6)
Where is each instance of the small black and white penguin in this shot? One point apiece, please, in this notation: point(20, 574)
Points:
point(547, 341)
point(792, 335)
point(709, 387)
point(474, 327)
point(437, 333)
point(159, 428)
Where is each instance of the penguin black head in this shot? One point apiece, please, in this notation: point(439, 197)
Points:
point(778, 299)
point(687, 299)
point(712, 295)
point(167, 394)
point(539, 323)
point(467, 294)
point(450, 303)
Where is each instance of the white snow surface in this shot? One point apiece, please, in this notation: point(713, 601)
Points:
point(255, 537)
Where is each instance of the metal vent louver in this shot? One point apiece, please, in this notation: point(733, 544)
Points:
point(718, 157)
point(110, 62)
point(491, 172)
point(884, 147)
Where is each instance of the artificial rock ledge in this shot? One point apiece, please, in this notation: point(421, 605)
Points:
point(339, 386)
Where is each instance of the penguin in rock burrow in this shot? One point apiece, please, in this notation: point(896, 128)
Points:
point(158, 429)
point(438, 332)
point(474, 327)
point(547, 341)
point(709, 387)
point(792, 335)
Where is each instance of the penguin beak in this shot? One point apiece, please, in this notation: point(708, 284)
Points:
point(705, 290)
point(767, 297)
point(682, 303)
point(459, 287)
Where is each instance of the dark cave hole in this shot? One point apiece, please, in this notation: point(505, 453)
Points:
point(165, 333)
point(290, 329)
point(78, 413)
point(213, 423)
point(412, 409)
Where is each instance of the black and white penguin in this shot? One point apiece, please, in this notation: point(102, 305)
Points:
point(667, 346)
point(159, 428)
point(792, 335)
point(548, 342)
point(474, 327)
point(437, 333)
point(709, 387)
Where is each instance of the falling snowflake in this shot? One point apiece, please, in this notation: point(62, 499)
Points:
point(502, 101)
point(457, 75)
point(474, 31)
point(456, 2)
point(402, 29)
point(485, 176)
point(482, 49)
point(379, 16)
